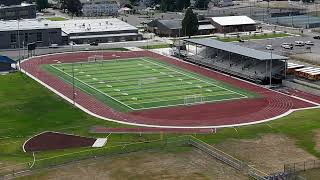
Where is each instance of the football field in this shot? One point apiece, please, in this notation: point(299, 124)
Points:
point(143, 83)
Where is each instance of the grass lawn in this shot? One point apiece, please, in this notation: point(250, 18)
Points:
point(144, 83)
point(253, 37)
point(157, 46)
point(27, 108)
point(56, 18)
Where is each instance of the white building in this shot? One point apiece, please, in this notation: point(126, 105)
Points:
point(100, 8)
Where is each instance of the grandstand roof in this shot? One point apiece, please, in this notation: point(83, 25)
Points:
point(236, 49)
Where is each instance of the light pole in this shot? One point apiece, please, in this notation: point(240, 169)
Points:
point(73, 89)
point(270, 78)
point(19, 42)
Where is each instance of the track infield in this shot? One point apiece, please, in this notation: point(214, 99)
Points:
point(144, 83)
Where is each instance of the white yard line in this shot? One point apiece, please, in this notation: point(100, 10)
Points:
point(154, 107)
point(95, 89)
point(194, 77)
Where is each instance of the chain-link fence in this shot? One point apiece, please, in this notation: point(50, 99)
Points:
point(301, 166)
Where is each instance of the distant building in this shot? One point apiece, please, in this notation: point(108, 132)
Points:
point(23, 11)
point(30, 31)
point(173, 27)
point(98, 30)
point(100, 8)
point(227, 24)
point(45, 32)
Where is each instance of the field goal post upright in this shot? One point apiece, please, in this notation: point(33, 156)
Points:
point(91, 59)
point(99, 58)
point(193, 99)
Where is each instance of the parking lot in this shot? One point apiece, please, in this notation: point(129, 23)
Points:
point(276, 44)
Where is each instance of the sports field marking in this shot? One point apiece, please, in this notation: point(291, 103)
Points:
point(193, 77)
point(116, 82)
point(93, 88)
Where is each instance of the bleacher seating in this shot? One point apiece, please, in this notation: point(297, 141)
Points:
point(246, 68)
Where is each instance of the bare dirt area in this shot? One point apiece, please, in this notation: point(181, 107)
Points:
point(268, 153)
point(312, 174)
point(192, 164)
point(317, 140)
point(310, 58)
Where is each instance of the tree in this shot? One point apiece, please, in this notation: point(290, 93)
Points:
point(190, 24)
point(73, 6)
point(201, 4)
point(41, 4)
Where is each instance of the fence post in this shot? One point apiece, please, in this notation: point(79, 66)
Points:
point(304, 166)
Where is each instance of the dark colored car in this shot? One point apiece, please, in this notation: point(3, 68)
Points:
point(94, 44)
point(316, 37)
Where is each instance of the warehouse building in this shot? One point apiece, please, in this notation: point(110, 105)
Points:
point(45, 32)
point(30, 31)
point(83, 31)
point(13, 12)
point(228, 24)
point(173, 27)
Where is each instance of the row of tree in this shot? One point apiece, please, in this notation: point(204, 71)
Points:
point(174, 5)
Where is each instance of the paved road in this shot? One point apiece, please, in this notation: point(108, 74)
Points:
point(15, 53)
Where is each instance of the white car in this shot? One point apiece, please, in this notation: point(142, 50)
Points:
point(299, 43)
point(53, 46)
point(310, 43)
point(269, 47)
point(287, 45)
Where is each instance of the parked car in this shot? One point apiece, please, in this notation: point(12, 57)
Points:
point(53, 46)
point(310, 43)
point(316, 37)
point(299, 43)
point(285, 45)
point(94, 44)
point(269, 47)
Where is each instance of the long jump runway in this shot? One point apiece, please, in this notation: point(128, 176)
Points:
point(268, 106)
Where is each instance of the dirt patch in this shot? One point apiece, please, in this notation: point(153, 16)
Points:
point(53, 141)
point(317, 140)
point(268, 153)
point(149, 165)
point(311, 58)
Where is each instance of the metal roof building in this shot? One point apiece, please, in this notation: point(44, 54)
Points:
point(171, 27)
point(228, 24)
point(250, 64)
point(236, 49)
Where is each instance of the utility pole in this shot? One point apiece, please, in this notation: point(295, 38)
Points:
point(270, 68)
point(19, 42)
point(73, 89)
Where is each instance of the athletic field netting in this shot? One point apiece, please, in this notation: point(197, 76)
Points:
point(143, 83)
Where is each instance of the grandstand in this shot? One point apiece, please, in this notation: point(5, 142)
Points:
point(239, 61)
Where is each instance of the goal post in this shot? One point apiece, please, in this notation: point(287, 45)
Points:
point(99, 57)
point(91, 59)
point(193, 99)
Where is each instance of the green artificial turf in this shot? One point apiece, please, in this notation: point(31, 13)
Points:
point(144, 83)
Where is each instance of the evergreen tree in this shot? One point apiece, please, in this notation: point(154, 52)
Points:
point(190, 24)
point(74, 7)
point(41, 4)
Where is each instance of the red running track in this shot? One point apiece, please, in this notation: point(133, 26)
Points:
point(270, 104)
